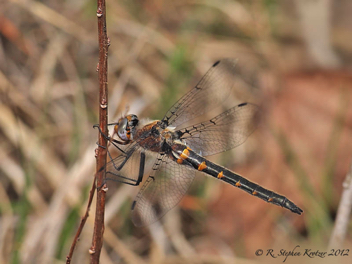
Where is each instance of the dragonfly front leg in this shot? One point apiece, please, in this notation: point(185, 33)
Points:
point(111, 140)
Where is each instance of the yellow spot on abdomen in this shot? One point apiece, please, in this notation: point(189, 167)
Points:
point(179, 161)
point(220, 175)
point(202, 166)
point(185, 154)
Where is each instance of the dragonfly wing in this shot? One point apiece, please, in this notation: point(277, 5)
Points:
point(212, 89)
point(223, 132)
point(162, 191)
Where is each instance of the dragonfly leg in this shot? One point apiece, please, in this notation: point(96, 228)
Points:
point(111, 140)
point(101, 186)
point(100, 145)
point(126, 180)
point(141, 168)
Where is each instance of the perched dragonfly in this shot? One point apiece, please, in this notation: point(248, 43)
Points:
point(179, 150)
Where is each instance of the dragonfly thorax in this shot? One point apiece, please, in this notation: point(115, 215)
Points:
point(126, 127)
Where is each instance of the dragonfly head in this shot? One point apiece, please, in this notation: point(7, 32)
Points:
point(126, 127)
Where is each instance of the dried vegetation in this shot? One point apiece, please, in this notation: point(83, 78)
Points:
point(293, 60)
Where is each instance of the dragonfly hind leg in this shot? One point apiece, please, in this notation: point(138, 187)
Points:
point(126, 180)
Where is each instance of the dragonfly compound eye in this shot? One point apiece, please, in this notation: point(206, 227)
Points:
point(123, 129)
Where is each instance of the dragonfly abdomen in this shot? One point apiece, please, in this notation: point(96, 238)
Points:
point(198, 162)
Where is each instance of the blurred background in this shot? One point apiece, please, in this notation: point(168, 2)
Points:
point(295, 61)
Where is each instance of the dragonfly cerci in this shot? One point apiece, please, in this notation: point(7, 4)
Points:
point(179, 150)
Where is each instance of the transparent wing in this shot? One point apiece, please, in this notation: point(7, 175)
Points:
point(211, 90)
point(162, 191)
point(222, 132)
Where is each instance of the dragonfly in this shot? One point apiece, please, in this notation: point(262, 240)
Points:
point(180, 150)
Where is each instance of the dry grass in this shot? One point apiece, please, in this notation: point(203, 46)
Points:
point(49, 102)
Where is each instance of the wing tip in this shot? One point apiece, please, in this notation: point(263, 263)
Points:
point(231, 61)
point(216, 63)
point(243, 104)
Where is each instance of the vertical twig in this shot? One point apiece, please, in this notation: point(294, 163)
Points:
point(343, 214)
point(97, 241)
point(101, 152)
